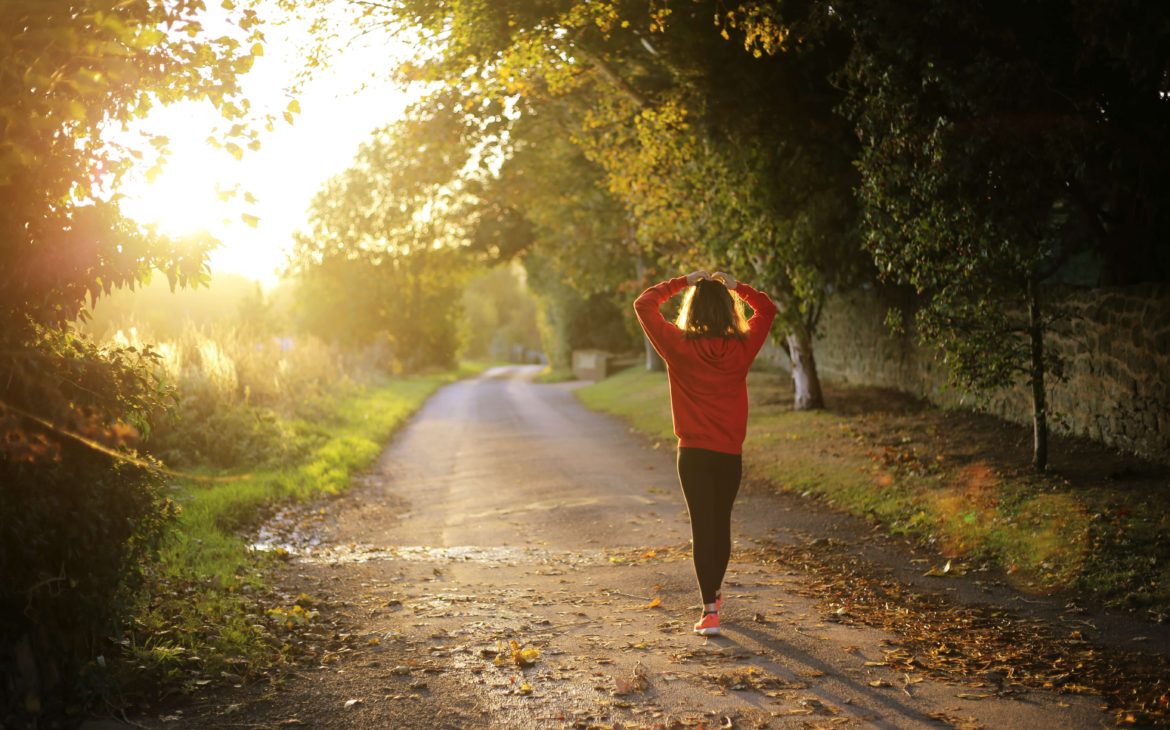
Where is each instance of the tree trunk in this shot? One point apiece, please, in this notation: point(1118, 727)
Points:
point(1036, 376)
point(654, 363)
point(805, 380)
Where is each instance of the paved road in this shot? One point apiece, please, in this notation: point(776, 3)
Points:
point(505, 511)
point(499, 460)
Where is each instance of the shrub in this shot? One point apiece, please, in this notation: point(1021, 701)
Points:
point(78, 521)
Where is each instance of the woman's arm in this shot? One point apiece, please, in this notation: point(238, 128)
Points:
point(648, 307)
point(763, 312)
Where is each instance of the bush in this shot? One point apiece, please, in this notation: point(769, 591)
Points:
point(78, 522)
point(82, 518)
point(74, 538)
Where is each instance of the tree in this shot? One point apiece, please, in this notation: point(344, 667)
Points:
point(769, 173)
point(997, 143)
point(379, 265)
point(78, 513)
point(500, 314)
point(677, 118)
point(70, 75)
point(577, 247)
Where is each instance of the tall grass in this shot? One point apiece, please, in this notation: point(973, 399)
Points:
point(243, 399)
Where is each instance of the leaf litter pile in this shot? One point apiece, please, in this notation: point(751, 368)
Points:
point(959, 642)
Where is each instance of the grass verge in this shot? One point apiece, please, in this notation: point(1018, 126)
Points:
point(1097, 523)
point(555, 375)
point(209, 615)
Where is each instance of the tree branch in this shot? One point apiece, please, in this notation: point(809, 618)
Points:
point(608, 73)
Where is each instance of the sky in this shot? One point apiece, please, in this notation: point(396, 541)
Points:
point(340, 107)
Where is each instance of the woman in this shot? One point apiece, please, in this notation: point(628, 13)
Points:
point(707, 353)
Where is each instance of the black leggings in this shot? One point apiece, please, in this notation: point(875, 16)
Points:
point(710, 481)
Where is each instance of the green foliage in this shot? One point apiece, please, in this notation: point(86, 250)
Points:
point(710, 152)
point(734, 158)
point(237, 393)
point(76, 525)
point(78, 522)
point(500, 315)
point(573, 224)
point(63, 381)
point(406, 308)
point(993, 152)
point(577, 250)
point(961, 201)
point(69, 74)
point(626, 150)
point(380, 265)
point(221, 434)
point(76, 535)
point(570, 320)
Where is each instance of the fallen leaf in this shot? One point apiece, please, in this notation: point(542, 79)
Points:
point(636, 682)
point(936, 572)
point(517, 654)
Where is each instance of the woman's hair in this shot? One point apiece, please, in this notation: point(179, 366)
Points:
point(710, 310)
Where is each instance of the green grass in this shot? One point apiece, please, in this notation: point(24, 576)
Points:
point(894, 465)
point(636, 395)
point(555, 375)
point(206, 612)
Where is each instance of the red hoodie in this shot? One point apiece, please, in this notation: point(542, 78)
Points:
point(708, 375)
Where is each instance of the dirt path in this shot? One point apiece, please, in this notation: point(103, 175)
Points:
point(506, 512)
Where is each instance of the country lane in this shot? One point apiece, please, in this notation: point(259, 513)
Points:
point(505, 511)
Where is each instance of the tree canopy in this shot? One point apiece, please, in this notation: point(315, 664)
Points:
point(998, 144)
point(700, 151)
point(380, 262)
point(72, 74)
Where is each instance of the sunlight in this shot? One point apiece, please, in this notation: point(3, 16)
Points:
point(184, 197)
point(254, 205)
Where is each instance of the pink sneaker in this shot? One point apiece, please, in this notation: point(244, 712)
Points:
point(708, 625)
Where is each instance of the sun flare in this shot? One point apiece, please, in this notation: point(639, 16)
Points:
point(253, 205)
point(186, 196)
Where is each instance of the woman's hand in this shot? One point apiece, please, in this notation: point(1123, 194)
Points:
point(725, 279)
point(696, 276)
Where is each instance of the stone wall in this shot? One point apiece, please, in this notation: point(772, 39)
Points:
point(1115, 347)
